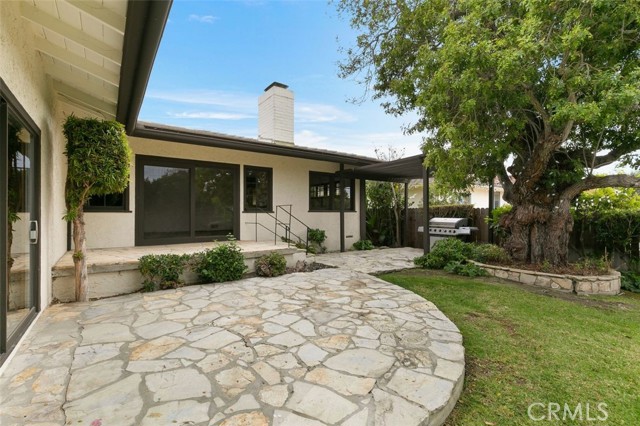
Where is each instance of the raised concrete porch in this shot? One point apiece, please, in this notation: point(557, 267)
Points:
point(114, 271)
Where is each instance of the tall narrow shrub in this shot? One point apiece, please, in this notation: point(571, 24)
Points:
point(98, 163)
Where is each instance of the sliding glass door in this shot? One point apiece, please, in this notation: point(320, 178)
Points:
point(181, 201)
point(19, 214)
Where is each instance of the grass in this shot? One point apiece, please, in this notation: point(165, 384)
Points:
point(525, 346)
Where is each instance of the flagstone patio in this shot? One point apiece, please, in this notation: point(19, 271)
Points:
point(330, 347)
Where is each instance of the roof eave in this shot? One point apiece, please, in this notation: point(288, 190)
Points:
point(146, 20)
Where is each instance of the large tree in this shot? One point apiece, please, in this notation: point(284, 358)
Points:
point(541, 93)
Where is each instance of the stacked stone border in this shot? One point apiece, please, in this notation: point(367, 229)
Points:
point(578, 284)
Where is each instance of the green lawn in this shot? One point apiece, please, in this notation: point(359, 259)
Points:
point(524, 346)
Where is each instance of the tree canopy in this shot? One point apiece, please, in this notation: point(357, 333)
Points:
point(540, 93)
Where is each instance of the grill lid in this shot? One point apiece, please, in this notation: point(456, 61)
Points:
point(448, 222)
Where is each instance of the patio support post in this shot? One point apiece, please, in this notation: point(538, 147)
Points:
point(363, 209)
point(491, 203)
point(426, 238)
point(405, 228)
point(342, 207)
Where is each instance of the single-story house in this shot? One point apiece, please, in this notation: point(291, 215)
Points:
point(94, 58)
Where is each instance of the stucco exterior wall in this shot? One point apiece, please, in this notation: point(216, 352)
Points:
point(21, 70)
point(290, 186)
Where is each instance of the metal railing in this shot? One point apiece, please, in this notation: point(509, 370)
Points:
point(283, 219)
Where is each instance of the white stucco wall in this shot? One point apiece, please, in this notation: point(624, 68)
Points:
point(21, 70)
point(290, 186)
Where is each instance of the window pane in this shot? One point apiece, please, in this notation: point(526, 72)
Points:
point(214, 201)
point(257, 190)
point(166, 202)
point(320, 191)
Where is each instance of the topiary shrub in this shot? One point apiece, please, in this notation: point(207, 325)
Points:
point(271, 265)
point(363, 245)
point(98, 162)
point(162, 271)
point(219, 264)
point(489, 253)
point(443, 252)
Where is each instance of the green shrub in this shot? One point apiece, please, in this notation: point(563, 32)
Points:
point(162, 271)
point(316, 238)
point(219, 264)
point(363, 245)
point(494, 220)
point(599, 265)
point(489, 253)
point(466, 269)
point(443, 252)
point(271, 265)
point(630, 281)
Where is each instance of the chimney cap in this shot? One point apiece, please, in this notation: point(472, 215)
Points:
point(276, 84)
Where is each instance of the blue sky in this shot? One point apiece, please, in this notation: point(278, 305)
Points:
point(217, 57)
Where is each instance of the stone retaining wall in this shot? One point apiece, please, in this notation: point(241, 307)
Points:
point(601, 284)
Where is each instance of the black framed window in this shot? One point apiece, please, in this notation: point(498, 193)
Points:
point(324, 192)
point(117, 202)
point(258, 188)
point(180, 201)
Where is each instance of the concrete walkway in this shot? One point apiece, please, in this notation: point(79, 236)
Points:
point(329, 347)
point(375, 261)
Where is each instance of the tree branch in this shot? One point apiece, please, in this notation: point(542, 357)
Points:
point(592, 182)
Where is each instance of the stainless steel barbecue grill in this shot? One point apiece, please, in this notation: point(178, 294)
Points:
point(448, 227)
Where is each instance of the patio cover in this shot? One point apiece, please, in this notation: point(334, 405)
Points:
point(401, 170)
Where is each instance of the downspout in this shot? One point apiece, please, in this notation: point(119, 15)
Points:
point(342, 249)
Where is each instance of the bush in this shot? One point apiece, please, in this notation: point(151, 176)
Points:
point(489, 253)
point(630, 281)
point(444, 252)
point(316, 238)
point(466, 269)
point(363, 245)
point(219, 264)
point(162, 271)
point(271, 265)
point(494, 220)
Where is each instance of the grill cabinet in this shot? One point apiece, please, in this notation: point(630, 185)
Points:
point(448, 227)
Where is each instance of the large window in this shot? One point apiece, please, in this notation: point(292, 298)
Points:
point(258, 189)
point(324, 192)
point(185, 201)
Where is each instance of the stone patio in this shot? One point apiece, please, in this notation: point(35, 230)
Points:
point(330, 347)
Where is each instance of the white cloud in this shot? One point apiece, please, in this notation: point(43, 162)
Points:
point(309, 138)
point(321, 113)
point(212, 115)
point(237, 101)
point(206, 19)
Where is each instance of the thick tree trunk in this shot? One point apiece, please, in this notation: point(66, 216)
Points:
point(539, 233)
point(80, 258)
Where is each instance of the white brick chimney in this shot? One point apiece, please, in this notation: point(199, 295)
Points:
point(275, 114)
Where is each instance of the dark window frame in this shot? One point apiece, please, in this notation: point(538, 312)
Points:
point(148, 160)
point(9, 104)
point(249, 209)
point(124, 208)
point(333, 180)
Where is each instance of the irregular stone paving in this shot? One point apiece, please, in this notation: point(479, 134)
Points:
point(372, 261)
point(323, 348)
